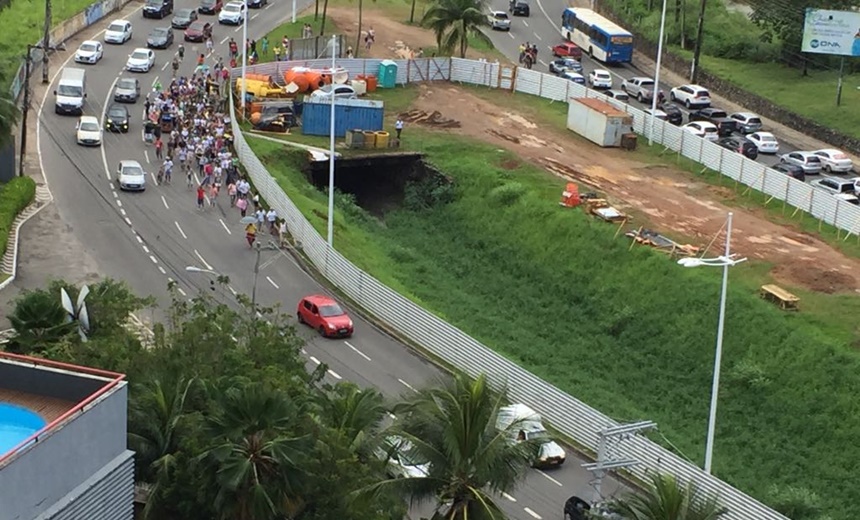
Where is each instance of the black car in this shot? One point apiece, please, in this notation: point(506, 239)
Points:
point(127, 90)
point(673, 113)
point(519, 8)
point(183, 18)
point(160, 38)
point(257, 4)
point(117, 119)
point(726, 125)
point(210, 6)
point(157, 8)
point(792, 170)
point(741, 145)
point(576, 508)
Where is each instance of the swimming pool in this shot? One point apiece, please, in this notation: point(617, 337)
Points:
point(16, 424)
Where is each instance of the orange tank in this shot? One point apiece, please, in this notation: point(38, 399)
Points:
point(260, 77)
point(371, 83)
point(290, 76)
point(302, 82)
point(255, 117)
point(315, 80)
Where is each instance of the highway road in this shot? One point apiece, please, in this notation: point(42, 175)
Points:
point(149, 238)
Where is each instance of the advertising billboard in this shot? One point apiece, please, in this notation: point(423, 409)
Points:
point(831, 32)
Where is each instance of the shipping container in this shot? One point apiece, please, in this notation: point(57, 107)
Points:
point(598, 121)
point(349, 114)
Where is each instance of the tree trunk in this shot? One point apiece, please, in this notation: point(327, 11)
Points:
point(358, 36)
point(316, 9)
point(412, 13)
point(322, 25)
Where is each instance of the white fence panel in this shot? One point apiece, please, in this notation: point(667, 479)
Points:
point(775, 183)
point(639, 119)
point(799, 194)
point(731, 166)
point(554, 88)
point(474, 72)
point(529, 81)
point(693, 147)
point(849, 218)
point(824, 206)
point(672, 136)
point(712, 155)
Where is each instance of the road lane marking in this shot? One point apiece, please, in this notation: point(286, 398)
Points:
point(104, 114)
point(146, 250)
point(525, 23)
point(146, 154)
point(154, 260)
point(139, 240)
point(315, 360)
point(238, 28)
point(267, 6)
point(512, 35)
point(221, 220)
point(164, 201)
point(181, 232)
point(272, 282)
point(118, 202)
point(128, 221)
point(161, 270)
point(392, 415)
point(334, 374)
point(224, 40)
point(538, 37)
point(121, 211)
point(232, 290)
point(255, 15)
point(554, 481)
point(532, 513)
point(165, 65)
point(179, 289)
point(115, 194)
point(154, 178)
point(545, 64)
point(407, 385)
point(360, 353)
point(205, 263)
point(509, 497)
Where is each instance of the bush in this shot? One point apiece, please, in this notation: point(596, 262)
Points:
point(797, 503)
point(16, 195)
point(508, 193)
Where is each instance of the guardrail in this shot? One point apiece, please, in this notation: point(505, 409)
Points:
point(569, 415)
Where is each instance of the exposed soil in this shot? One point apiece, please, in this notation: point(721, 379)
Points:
point(671, 201)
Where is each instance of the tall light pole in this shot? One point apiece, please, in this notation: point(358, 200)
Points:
point(294, 12)
point(259, 250)
point(697, 50)
point(244, 56)
point(656, 92)
point(46, 42)
point(725, 261)
point(331, 150)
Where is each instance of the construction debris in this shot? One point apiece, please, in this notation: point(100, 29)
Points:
point(572, 174)
point(435, 119)
point(602, 210)
point(661, 243)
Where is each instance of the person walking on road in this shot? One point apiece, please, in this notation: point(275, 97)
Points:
point(251, 234)
point(242, 204)
point(260, 215)
point(159, 147)
point(272, 219)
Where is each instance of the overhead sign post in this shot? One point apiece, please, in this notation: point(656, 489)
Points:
point(832, 32)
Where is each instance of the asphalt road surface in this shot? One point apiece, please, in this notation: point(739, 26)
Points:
point(149, 238)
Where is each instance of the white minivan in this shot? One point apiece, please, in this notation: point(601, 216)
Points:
point(71, 91)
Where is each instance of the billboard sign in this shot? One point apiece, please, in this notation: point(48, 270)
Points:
point(831, 32)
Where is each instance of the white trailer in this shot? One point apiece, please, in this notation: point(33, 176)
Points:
point(598, 121)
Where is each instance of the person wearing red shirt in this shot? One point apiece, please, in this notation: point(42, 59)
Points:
point(201, 197)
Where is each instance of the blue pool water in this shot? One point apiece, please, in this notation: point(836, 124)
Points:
point(16, 424)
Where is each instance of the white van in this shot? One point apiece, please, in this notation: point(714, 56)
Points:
point(71, 91)
point(523, 423)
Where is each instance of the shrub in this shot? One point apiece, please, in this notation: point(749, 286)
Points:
point(16, 195)
point(797, 503)
point(508, 193)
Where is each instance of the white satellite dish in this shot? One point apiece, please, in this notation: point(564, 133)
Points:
point(67, 303)
point(340, 77)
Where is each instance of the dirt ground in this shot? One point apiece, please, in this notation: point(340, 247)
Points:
point(672, 202)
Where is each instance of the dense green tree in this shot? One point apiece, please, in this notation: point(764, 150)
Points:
point(668, 499)
point(355, 415)
point(39, 321)
point(455, 21)
point(8, 114)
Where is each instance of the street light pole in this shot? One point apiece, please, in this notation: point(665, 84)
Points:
point(46, 42)
point(26, 110)
point(697, 51)
point(244, 57)
point(330, 234)
point(656, 92)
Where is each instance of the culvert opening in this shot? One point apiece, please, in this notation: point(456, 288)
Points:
point(382, 183)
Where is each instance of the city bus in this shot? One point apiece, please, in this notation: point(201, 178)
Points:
point(602, 39)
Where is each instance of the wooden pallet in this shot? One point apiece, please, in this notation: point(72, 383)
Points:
point(776, 294)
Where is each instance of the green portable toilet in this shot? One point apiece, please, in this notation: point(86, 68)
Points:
point(387, 74)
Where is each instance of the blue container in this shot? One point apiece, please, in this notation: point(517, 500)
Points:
point(349, 114)
point(387, 74)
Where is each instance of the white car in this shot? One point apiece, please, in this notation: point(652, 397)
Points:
point(703, 129)
point(691, 96)
point(599, 78)
point(810, 162)
point(499, 21)
point(89, 52)
point(573, 76)
point(841, 189)
point(340, 92)
point(119, 31)
point(130, 175)
point(88, 131)
point(232, 13)
point(401, 458)
point(141, 60)
point(765, 142)
point(834, 161)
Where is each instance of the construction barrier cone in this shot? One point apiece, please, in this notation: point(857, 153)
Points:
point(570, 196)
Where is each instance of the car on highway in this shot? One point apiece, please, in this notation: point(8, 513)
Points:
point(90, 51)
point(600, 78)
point(210, 6)
point(834, 161)
point(499, 21)
point(401, 458)
point(726, 125)
point(88, 132)
point(561, 65)
point(340, 92)
point(747, 122)
point(766, 142)
point(640, 88)
point(792, 170)
point(843, 189)
point(519, 8)
point(160, 38)
point(567, 50)
point(117, 118)
point(810, 162)
point(618, 95)
point(233, 13)
point(127, 90)
point(257, 4)
point(141, 60)
point(198, 31)
point(130, 176)
point(183, 18)
point(673, 113)
point(324, 315)
point(157, 8)
point(691, 96)
point(573, 76)
point(520, 423)
point(703, 129)
point(119, 32)
point(740, 145)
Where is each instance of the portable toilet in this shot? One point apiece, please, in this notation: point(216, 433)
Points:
point(387, 74)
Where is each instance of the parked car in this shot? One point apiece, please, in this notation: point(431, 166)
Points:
point(117, 119)
point(520, 423)
point(519, 8)
point(157, 8)
point(562, 65)
point(131, 176)
point(401, 458)
point(198, 31)
point(717, 116)
point(810, 162)
point(765, 142)
point(703, 129)
point(659, 114)
point(499, 21)
point(90, 51)
point(599, 78)
point(691, 96)
point(183, 18)
point(127, 90)
point(233, 13)
point(843, 189)
point(340, 92)
point(88, 132)
point(210, 6)
point(618, 95)
point(741, 145)
point(575, 77)
point(324, 315)
point(747, 122)
point(119, 31)
point(160, 38)
point(576, 508)
point(834, 161)
point(673, 113)
point(640, 88)
point(141, 60)
point(257, 4)
point(567, 50)
point(792, 170)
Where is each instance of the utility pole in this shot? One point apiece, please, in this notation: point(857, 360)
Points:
point(605, 462)
point(46, 42)
point(28, 60)
point(697, 52)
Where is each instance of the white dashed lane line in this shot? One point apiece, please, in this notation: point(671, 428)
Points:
point(360, 353)
point(334, 374)
point(145, 249)
point(205, 263)
point(554, 481)
point(165, 66)
point(315, 360)
point(139, 240)
point(509, 497)
point(154, 260)
point(525, 23)
point(146, 154)
point(221, 220)
point(407, 385)
point(121, 211)
point(161, 270)
point(128, 221)
point(232, 290)
point(512, 35)
point(119, 202)
point(238, 28)
point(532, 513)
point(181, 232)
point(224, 40)
point(538, 37)
point(164, 201)
point(272, 282)
point(255, 16)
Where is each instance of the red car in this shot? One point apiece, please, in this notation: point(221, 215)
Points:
point(210, 6)
point(325, 315)
point(198, 31)
point(567, 49)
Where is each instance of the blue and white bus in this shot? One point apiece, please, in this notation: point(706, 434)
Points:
point(602, 39)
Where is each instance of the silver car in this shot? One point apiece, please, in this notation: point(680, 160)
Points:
point(402, 459)
point(810, 162)
point(130, 176)
point(340, 92)
point(499, 21)
point(747, 121)
point(844, 189)
point(834, 161)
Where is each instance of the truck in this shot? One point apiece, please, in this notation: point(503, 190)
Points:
point(71, 91)
point(520, 423)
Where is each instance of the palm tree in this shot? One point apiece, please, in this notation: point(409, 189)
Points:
point(667, 499)
point(454, 21)
point(453, 428)
point(39, 320)
point(356, 415)
point(255, 454)
point(8, 116)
